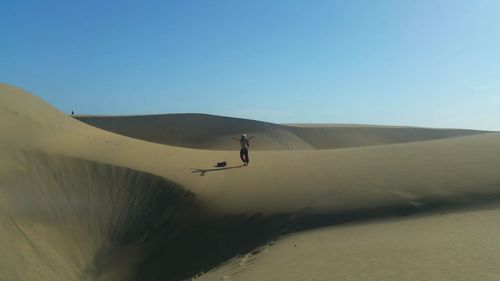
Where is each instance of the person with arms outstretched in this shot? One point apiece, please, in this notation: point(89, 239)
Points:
point(245, 144)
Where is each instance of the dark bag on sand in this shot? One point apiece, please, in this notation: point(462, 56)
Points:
point(222, 164)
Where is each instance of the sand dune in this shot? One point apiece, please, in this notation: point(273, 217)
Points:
point(448, 246)
point(215, 132)
point(82, 203)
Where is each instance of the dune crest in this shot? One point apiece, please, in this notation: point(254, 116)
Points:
point(205, 131)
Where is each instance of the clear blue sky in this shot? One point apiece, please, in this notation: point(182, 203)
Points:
point(425, 63)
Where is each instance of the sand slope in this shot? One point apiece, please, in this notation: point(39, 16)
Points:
point(215, 132)
point(448, 246)
point(81, 203)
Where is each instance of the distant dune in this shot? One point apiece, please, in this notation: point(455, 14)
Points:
point(139, 198)
point(215, 132)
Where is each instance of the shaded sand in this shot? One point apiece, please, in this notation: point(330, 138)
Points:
point(449, 246)
point(82, 203)
point(215, 132)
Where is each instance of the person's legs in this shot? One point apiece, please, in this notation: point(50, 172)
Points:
point(242, 155)
point(246, 156)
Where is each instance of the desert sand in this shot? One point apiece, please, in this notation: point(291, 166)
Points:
point(138, 198)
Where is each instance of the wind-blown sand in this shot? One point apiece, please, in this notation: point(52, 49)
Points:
point(316, 203)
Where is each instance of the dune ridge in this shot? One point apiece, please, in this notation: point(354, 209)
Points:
point(205, 131)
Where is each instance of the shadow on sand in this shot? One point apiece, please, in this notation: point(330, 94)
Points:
point(203, 171)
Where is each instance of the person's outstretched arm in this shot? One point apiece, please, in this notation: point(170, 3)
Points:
point(235, 139)
point(250, 137)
